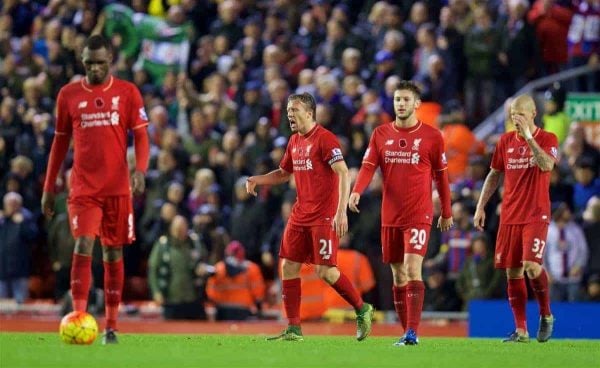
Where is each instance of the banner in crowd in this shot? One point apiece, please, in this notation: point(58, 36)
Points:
point(584, 108)
point(160, 46)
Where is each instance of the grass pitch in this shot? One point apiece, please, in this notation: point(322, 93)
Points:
point(146, 350)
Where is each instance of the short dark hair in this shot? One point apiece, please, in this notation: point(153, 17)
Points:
point(308, 100)
point(410, 86)
point(97, 42)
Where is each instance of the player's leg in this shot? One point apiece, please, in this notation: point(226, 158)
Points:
point(534, 242)
point(508, 255)
point(415, 246)
point(114, 278)
point(85, 216)
point(293, 252)
point(117, 229)
point(392, 243)
point(325, 244)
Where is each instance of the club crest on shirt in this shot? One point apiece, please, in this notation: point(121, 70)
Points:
point(99, 103)
point(115, 102)
point(416, 143)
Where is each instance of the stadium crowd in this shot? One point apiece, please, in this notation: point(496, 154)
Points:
point(215, 76)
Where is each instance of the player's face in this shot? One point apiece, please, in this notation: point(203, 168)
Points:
point(96, 64)
point(518, 112)
point(405, 103)
point(299, 117)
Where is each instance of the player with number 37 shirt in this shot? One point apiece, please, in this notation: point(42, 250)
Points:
point(411, 156)
point(526, 158)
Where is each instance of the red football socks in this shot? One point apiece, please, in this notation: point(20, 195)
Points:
point(415, 292)
point(114, 275)
point(539, 286)
point(400, 304)
point(81, 278)
point(517, 298)
point(291, 300)
point(344, 287)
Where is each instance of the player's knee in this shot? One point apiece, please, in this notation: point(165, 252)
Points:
point(533, 269)
point(112, 254)
point(290, 269)
point(399, 273)
point(84, 245)
point(328, 274)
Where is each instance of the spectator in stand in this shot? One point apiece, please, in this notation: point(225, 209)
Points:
point(18, 230)
point(566, 256)
point(587, 182)
point(172, 270)
point(478, 279)
point(551, 22)
point(237, 287)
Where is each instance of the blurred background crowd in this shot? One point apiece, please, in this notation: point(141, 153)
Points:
point(215, 76)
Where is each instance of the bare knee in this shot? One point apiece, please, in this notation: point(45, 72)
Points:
point(533, 269)
point(515, 273)
point(84, 245)
point(290, 269)
point(112, 254)
point(399, 274)
point(328, 274)
point(413, 272)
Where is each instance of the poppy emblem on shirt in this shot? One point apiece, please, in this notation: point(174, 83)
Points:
point(522, 150)
point(402, 143)
point(99, 102)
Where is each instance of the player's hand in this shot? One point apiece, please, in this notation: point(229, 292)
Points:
point(340, 223)
point(48, 204)
point(445, 224)
point(353, 202)
point(138, 183)
point(251, 186)
point(521, 125)
point(479, 219)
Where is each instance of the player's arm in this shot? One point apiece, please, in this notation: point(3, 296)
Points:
point(340, 221)
point(275, 177)
point(542, 159)
point(442, 184)
point(489, 187)
point(139, 125)
point(60, 147)
point(365, 174)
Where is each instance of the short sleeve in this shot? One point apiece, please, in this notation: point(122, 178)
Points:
point(286, 161)
point(498, 158)
point(138, 117)
point(371, 155)
point(438, 157)
point(331, 151)
point(63, 121)
point(550, 145)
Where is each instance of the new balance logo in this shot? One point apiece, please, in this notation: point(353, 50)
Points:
point(82, 105)
point(389, 142)
point(511, 150)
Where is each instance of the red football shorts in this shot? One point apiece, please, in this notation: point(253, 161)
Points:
point(518, 243)
point(396, 241)
point(310, 244)
point(110, 218)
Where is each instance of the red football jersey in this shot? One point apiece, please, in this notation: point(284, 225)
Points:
point(407, 157)
point(98, 117)
point(309, 158)
point(526, 197)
